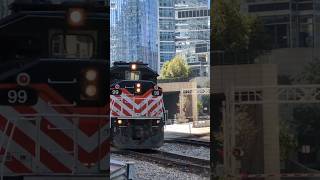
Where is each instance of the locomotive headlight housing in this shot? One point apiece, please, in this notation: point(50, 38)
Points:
point(91, 75)
point(138, 88)
point(133, 66)
point(76, 16)
point(119, 121)
point(91, 90)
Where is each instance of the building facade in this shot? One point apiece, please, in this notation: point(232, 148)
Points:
point(192, 34)
point(290, 23)
point(134, 31)
point(167, 49)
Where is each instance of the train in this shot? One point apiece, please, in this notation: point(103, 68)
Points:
point(137, 109)
point(54, 121)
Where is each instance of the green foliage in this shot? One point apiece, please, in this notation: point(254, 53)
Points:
point(288, 141)
point(175, 68)
point(199, 105)
point(241, 37)
point(311, 73)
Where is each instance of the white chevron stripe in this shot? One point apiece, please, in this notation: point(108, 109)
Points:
point(16, 150)
point(45, 141)
point(156, 100)
point(119, 102)
point(130, 100)
point(115, 109)
point(87, 143)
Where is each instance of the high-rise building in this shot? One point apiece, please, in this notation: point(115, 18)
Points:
point(192, 34)
point(167, 48)
point(134, 31)
point(290, 23)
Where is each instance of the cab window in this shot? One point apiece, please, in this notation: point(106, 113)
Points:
point(72, 46)
point(132, 75)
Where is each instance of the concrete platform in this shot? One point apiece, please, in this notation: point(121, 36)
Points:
point(186, 130)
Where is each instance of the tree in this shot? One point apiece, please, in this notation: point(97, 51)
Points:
point(175, 68)
point(288, 141)
point(241, 37)
point(306, 116)
point(311, 73)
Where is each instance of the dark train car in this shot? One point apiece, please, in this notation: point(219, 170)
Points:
point(53, 104)
point(136, 107)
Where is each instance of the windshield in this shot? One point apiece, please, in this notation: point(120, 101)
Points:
point(72, 46)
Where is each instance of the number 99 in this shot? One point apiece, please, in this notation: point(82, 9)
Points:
point(19, 96)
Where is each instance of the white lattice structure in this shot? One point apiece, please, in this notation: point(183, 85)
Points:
point(269, 97)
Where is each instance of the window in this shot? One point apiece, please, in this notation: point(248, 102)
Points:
point(72, 46)
point(166, 12)
point(132, 75)
point(268, 7)
point(164, 46)
point(166, 36)
point(201, 12)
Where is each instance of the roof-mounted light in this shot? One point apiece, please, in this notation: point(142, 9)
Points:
point(133, 67)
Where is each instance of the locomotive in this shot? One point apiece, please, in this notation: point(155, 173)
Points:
point(136, 107)
point(53, 100)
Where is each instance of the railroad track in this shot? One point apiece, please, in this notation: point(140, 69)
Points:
point(180, 162)
point(188, 141)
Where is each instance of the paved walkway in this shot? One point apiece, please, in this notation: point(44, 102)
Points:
point(186, 130)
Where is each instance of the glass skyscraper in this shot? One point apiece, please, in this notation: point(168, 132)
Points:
point(192, 34)
point(166, 30)
point(134, 31)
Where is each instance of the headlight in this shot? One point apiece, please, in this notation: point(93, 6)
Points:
point(91, 90)
point(138, 90)
point(91, 75)
point(76, 16)
point(133, 66)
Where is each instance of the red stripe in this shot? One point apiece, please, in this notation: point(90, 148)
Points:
point(15, 165)
point(91, 125)
point(57, 135)
point(19, 136)
point(97, 154)
point(52, 163)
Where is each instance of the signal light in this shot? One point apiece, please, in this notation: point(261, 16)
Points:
point(138, 85)
point(138, 90)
